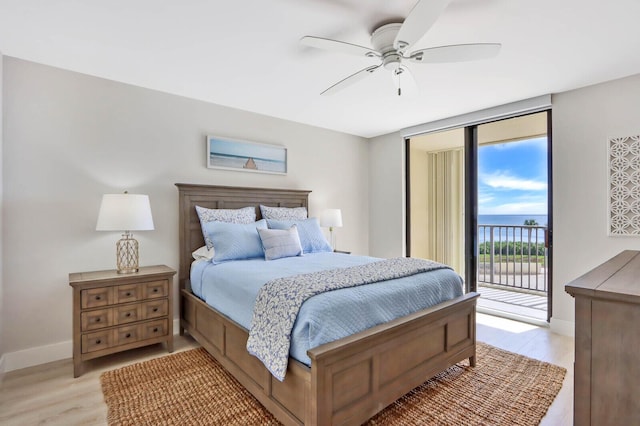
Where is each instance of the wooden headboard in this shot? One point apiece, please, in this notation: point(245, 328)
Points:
point(223, 197)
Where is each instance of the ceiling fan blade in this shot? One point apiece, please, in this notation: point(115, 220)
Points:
point(404, 82)
point(456, 53)
point(353, 78)
point(423, 15)
point(338, 46)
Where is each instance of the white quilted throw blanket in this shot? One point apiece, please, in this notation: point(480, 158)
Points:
point(279, 301)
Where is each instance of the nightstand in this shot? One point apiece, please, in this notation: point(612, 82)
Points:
point(115, 312)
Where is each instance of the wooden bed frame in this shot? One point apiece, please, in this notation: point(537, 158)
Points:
point(349, 380)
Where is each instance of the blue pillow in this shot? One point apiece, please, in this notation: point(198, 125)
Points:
point(279, 243)
point(243, 215)
point(235, 241)
point(311, 236)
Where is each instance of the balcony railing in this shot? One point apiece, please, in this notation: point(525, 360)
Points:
point(513, 256)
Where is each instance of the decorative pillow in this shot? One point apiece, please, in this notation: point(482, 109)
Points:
point(243, 215)
point(278, 243)
point(235, 241)
point(283, 213)
point(203, 253)
point(311, 236)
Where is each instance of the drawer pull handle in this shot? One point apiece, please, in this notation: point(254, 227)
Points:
point(128, 314)
point(155, 309)
point(128, 335)
point(98, 341)
point(98, 297)
point(155, 290)
point(155, 330)
point(128, 294)
point(98, 319)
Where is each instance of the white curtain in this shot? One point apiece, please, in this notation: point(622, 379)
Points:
point(445, 208)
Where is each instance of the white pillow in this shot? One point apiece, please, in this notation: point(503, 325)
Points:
point(279, 243)
point(203, 253)
point(283, 213)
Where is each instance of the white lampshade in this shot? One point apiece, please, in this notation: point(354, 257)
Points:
point(331, 218)
point(125, 212)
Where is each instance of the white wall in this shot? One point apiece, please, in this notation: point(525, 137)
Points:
point(2, 322)
point(583, 121)
point(386, 196)
point(69, 138)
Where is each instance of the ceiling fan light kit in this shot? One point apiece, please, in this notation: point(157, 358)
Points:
point(391, 41)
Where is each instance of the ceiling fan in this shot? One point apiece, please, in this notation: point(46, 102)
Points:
point(391, 43)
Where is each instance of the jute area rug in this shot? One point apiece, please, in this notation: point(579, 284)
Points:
point(191, 388)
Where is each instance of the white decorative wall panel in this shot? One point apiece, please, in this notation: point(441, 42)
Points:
point(624, 186)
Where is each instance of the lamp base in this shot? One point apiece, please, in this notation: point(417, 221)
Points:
point(127, 254)
point(332, 238)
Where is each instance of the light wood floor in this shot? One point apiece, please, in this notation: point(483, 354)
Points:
point(48, 394)
point(539, 343)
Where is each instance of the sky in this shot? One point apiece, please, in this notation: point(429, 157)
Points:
point(512, 177)
point(247, 149)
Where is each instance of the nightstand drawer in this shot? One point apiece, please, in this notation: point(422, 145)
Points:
point(155, 309)
point(97, 341)
point(99, 318)
point(155, 289)
point(127, 334)
point(154, 329)
point(128, 293)
point(127, 313)
point(96, 297)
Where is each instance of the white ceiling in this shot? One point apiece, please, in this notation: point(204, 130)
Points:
point(246, 54)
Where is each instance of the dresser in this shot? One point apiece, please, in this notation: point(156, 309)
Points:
point(607, 342)
point(115, 312)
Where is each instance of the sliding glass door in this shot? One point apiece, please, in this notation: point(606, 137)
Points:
point(479, 200)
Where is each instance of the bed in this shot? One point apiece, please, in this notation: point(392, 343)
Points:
point(349, 380)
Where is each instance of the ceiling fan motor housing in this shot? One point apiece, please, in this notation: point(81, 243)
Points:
point(382, 40)
point(391, 61)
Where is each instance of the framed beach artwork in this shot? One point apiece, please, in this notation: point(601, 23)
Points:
point(233, 154)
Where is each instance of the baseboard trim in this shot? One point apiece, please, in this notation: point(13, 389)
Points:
point(43, 354)
point(566, 328)
point(38, 355)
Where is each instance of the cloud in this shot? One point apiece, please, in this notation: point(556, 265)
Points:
point(503, 180)
point(539, 143)
point(517, 208)
point(485, 199)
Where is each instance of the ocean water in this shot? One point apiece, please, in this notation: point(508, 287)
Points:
point(510, 219)
point(236, 162)
point(512, 234)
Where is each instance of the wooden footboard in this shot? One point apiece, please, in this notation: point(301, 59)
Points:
point(350, 379)
point(354, 378)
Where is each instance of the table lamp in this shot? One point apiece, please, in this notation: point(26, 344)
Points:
point(331, 218)
point(125, 212)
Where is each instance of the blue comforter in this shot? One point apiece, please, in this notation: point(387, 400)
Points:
point(232, 287)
